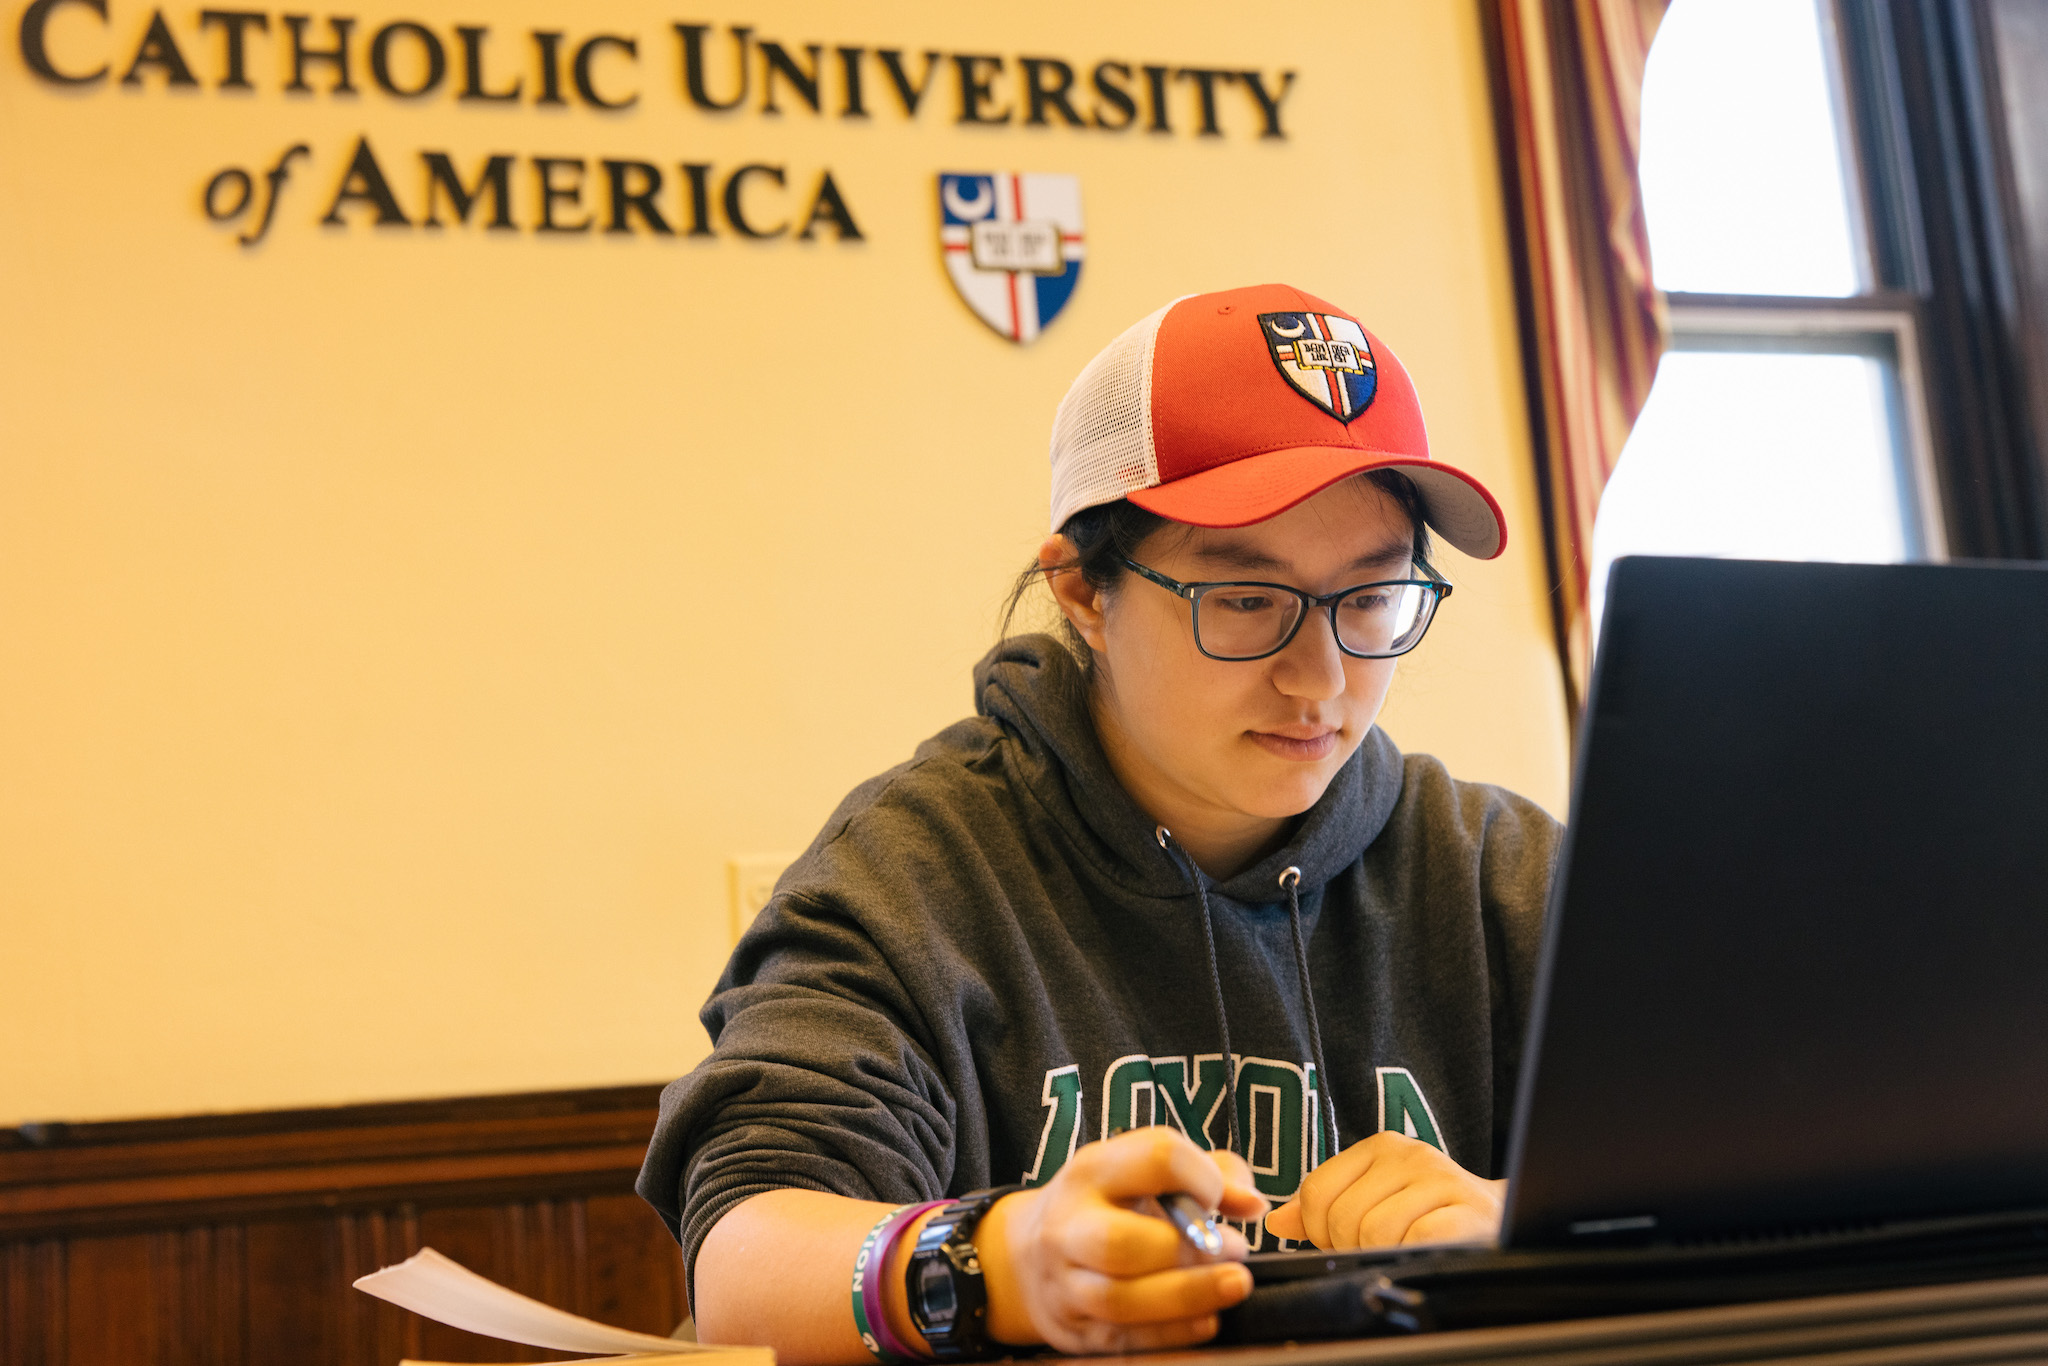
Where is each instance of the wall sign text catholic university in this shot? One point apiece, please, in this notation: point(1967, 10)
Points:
point(716, 70)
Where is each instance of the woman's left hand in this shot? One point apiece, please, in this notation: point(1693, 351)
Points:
point(1391, 1189)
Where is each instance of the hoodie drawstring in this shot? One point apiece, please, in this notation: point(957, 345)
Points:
point(1194, 875)
point(1290, 882)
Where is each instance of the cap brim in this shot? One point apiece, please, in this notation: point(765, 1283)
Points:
point(1454, 504)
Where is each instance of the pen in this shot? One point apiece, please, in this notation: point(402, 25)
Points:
point(1185, 1213)
point(1196, 1224)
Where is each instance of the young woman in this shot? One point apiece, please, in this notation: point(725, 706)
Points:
point(1169, 915)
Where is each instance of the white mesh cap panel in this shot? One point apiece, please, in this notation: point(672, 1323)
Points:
point(1102, 434)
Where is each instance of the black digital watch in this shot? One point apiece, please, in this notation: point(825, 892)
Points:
point(948, 1298)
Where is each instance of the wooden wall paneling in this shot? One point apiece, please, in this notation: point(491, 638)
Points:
point(200, 1294)
point(634, 1267)
point(373, 1330)
point(481, 1236)
point(158, 1172)
point(233, 1240)
point(32, 1317)
point(291, 1267)
point(110, 1301)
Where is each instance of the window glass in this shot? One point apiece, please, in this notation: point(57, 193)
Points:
point(1761, 455)
point(1742, 170)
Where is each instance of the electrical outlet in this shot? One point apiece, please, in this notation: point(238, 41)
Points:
point(749, 882)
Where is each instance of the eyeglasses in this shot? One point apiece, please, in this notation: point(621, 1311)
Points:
point(1243, 621)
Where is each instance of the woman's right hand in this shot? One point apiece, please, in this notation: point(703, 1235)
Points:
point(1086, 1266)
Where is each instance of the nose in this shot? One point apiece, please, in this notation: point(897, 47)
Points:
point(1311, 667)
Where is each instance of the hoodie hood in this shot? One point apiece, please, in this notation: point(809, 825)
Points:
point(1034, 688)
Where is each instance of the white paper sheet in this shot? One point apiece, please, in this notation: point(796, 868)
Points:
point(633, 1359)
point(448, 1292)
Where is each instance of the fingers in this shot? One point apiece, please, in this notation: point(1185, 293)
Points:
point(1326, 1183)
point(1108, 1274)
point(1157, 1159)
point(1285, 1222)
point(1376, 1193)
point(1143, 1314)
point(1236, 1171)
point(1162, 1297)
point(1455, 1224)
point(1241, 1197)
point(1345, 1221)
point(1152, 1161)
point(1117, 1241)
point(1092, 1337)
point(1389, 1222)
point(1109, 1221)
point(1335, 1195)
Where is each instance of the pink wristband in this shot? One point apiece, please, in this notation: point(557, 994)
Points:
point(871, 1289)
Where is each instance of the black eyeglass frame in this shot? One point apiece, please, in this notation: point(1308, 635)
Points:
point(1439, 587)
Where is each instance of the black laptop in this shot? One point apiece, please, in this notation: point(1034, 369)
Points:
point(1790, 1032)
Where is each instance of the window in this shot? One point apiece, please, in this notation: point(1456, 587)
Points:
point(1744, 181)
point(1788, 419)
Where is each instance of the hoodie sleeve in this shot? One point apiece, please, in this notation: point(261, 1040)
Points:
point(819, 1079)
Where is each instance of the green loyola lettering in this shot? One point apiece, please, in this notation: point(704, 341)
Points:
point(1404, 1109)
point(1274, 1112)
point(1278, 1104)
point(1062, 1100)
point(1194, 1097)
point(1128, 1082)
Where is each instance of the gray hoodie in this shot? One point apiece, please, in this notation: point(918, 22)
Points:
point(988, 957)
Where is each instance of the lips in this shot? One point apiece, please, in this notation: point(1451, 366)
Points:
point(1302, 744)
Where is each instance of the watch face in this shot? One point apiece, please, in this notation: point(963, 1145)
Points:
point(935, 1292)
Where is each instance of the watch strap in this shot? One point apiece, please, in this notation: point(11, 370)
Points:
point(945, 1250)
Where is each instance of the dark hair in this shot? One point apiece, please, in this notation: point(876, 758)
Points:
point(1105, 535)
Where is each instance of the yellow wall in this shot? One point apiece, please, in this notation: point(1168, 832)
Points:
point(399, 631)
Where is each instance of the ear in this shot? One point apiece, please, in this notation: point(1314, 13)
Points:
point(1080, 603)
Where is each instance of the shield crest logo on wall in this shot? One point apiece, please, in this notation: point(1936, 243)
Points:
point(1013, 245)
point(1326, 358)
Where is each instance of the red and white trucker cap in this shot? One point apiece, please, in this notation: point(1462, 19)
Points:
point(1225, 409)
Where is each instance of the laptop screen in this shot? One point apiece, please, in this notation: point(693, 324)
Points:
point(1796, 974)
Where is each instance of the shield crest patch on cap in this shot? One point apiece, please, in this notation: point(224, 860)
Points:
point(1326, 358)
point(1013, 245)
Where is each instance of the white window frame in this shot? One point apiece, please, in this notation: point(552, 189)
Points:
point(1882, 326)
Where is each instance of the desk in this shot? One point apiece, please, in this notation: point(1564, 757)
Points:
point(1974, 1322)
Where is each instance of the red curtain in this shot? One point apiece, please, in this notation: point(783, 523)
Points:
point(1568, 77)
